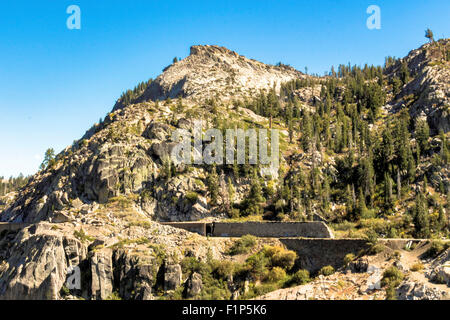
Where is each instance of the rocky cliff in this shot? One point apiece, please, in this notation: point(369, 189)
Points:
point(427, 95)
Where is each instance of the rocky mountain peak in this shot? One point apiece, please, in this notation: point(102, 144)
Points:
point(213, 71)
point(209, 50)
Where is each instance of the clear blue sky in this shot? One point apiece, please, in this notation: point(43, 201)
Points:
point(55, 83)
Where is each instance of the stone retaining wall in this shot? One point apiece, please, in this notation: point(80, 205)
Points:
point(316, 253)
point(315, 229)
point(272, 229)
point(195, 227)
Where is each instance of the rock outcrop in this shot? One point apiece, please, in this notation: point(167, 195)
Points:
point(35, 266)
point(211, 71)
point(194, 285)
point(427, 95)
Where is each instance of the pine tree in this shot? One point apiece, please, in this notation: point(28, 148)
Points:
point(231, 190)
point(289, 121)
point(326, 193)
point(349, 204)
point(388, 199)
point(404, 73)
point(421, 218)
point(253, 203)
point(49, 159)
point(429, 35)
point(213, 185)
point(411, 170)
point(396, 86)
point(387, 149)
point(362, 208)
point(441, 223)
point(307, 132)
point(422, 134)
point(366, 175)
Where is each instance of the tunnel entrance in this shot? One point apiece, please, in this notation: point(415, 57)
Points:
point(209, 229)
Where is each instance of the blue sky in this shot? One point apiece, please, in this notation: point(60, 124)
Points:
point(55, 82)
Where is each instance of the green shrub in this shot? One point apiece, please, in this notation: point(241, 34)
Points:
point(372, 237)
point(159, 252)
point(301, 277)
point(223, 269)
point(326, 271)
point(142, 240)
point(349, 258)
point(280, 257)
point(192, 197)
point(437, 247)
point(82, 236)
point(256, 291)
point(270, 257)
point(391, 293)
point(243, 245)
point(257, 264)
point(114, 296)
point(64, 292)
point(214, 274)
point(344, 226)
point(191, 264)
point(377, 248)
point(142, 223)
point(234, 213)
point(417, 267)
point(392, 277)
point(214, 290)
point(276, 274)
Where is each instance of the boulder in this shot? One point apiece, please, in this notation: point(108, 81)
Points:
point(440, 268)
point(172, 277)
point(418, 291)
point(133, 276)
point(156, 130)
point(359, 265)
point(443, 273)
point(184, 124)
point(162, 150)
point(194, 285)
point(102, 274)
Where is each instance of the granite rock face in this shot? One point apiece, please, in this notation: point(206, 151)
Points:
point(194, 285)
point(429, 87)
point(213, 70)
point(172, 277)
point(35, 266)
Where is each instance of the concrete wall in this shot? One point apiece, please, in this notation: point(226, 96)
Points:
point(316, 253)
point(195, 227)
point(272, 229)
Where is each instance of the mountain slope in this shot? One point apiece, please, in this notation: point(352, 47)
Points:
point(359, 150)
